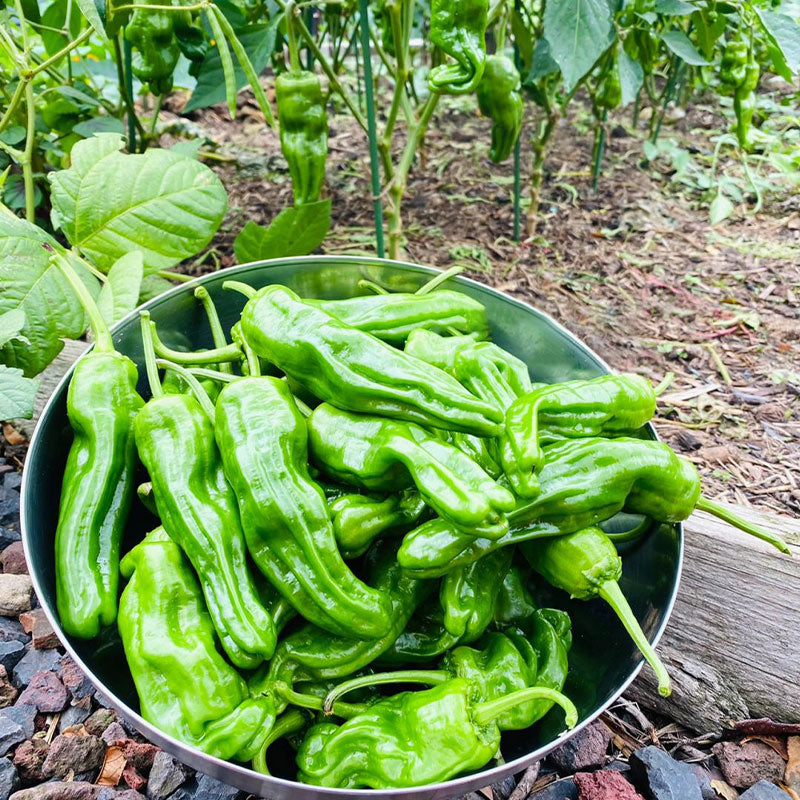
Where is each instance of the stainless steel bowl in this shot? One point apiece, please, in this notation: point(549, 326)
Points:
point(603, 660)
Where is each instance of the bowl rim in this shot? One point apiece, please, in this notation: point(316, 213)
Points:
point(246, 778)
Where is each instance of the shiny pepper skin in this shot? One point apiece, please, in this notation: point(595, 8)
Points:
point(384, 454)
point(262, 437)
point(304, 132)
point(409, 739)
point(185, 687)
point(609, 94)
point(424, 638)
point(499, 99)
point(155, 48)
point(733, 67)
point(458, 28)
point(176, 444)
point(96, 491)
point(356, 371)
point(744, 103)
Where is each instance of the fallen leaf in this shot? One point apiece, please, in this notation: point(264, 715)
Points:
point(724, 790)
point(13, 436)
point(792, 776)
point(113, 765)
point(775, 742)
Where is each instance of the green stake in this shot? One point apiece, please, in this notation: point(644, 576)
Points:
point(517, 64)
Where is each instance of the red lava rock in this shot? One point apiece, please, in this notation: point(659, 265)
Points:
point(746, 763)
point(29, 758)
point(46, 692)
point(585, 750)
point(74, 678)
point(133, 777)
point(8, 693)
point(13, 559)
point(73, 752)
point(36, 624)
point(138, 754)
point(605, 785)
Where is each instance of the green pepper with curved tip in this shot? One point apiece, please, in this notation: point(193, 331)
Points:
point(499, 99)
point(356, 371)
point(97, 488)
point(185, 687)
point(423, 639)
point(175, 440)
point(458, 28)
point(586, 565)
point(514, 605)
point(263, 440)
point(378, 453)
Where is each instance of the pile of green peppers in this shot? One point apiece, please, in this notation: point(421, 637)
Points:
point(360, 504)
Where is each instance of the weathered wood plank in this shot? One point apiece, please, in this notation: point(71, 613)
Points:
point(732, 644)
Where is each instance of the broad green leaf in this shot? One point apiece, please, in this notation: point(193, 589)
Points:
point(674, 8)
point(679, 43)
point(13, 134)
point(785, 33)
point(14, 192)
point(578, 32)
point(11, 324)
point(650, 150)
point(721, 208)
point(707, 33)
point(631, 76)
point(542, 63)
point(89, 10)
point(160, 203)
point(188, 147)
point(90, 127)
point(120, 293)
point(779, 65)
point(522, 37)
point(16, 393)
point(53, 19)
point(30, 284)
point(152, 286)
point(296, 231)
point(258, 42)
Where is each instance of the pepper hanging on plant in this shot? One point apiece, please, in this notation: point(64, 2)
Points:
point(302, 121)
point(155, 48)
point(458, 28)
point(744, 102)
point(499, 99)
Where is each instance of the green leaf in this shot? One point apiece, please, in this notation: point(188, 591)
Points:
point(120, 293)
point(296, 231)
point(631, 76)
point(11, 325)
point(522, 37)
point(30, 284)
point(153, 286)
point(14, 193)
point(779, 65)
point(674, 8)
point(542, 63)
point(54, 17)
point(89, 10)
point(160, 203)
point(721, 208)
point(579, 32)
point(13, 134)
point(16, 393)
point(785, 34)
point(258, 42)
point(679, 43)
point(90, 127)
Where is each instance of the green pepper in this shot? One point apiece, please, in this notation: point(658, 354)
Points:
point(499, 99)
point(458, 28)
point(744, 103)
point(423, 639)
point(175, 440)
point(304, 132)
point(97, 487)
point(263, 440)
point(155, 48)
point(393, 316)
point(379, 453)
point(733, 66)
point(408, 739)
point(609, 93)
point(185, 687)
point(514, 605)
point(355, 371)
point(586, 565)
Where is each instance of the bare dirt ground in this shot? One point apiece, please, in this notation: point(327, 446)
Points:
point(634, 269)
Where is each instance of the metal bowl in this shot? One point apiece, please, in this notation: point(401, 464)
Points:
point(603, 660)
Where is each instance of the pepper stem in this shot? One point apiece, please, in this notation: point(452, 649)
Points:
point(372, 286)
point(214, 375)
point(231, 352)
point(431, 677)
point(103, 343)
point(612, 594)
point(290, 722)
point(294, 55)
point(726, 515)
point(442, 277)
point(665, 384)
point(310, 701)
point(485, 712)
point(217, 333)
point(197, 390)
point(150, 354)
point(242, 288)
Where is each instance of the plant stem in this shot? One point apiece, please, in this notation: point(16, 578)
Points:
point(197, 390)
point(56, 57)
point(27, 157)
point(430, 677)
point(294, 54)
point(243, 288)
point(133, 120)
point(230, 352)
point(486, 712)
point(444, 276)
point(217, 333)
point(715, 509)
point(598, 156)
point(174, 276)
point(156, 390)
point(344, 710)
point(290, 722)
point(156, 112)
point(214, 375)
point(537, 172)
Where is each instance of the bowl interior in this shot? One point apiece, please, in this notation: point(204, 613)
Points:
point(603, 660)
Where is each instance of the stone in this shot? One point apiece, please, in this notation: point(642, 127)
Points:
point(618, 765)
point(167, 774)
point(77, 713)
point(11, 734)
point(655, 771)
point(36, 623)
point(13, 558)
point(8, 536)
point(704, 779)
point(560, 790)
point(9, 507)
point(12, 480)
point(24, 716)
point(746, 763)
point(586, 750)
point(15, 594)
point(604, 785)
point(9, 778)
point(100, 720)
point(65, 790)
point(46, 692)
point(73, 753)
point(502, 789)
point(28, 759)
point(32, 662)
point(209, 788)
point(12, 631)
point(10, 654)
point(8, 692)
point(74, 678)
point(139, 755)
point(113, 732)
point(133, 777)
point(764, 790)
point(184, 793)
point(129, 794)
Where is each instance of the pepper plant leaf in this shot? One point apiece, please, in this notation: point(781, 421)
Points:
point(120, 293)
point(16, 393)
point(11, 325)
point(679, 43)
point(160, 203)
point(784, 31)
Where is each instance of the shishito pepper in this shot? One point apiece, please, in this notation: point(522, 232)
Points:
point(263, 440)
point(744, 102)
point(354, 370)
point(185, 687)
point(514, 605)
point(413, 738)
point(458, 28)
point(175, 439)
point(379, 453)
point(155, 48)
point(586, 565)
point(423, 639)
point(98, 478)
point(499, 99)
point(393, 316)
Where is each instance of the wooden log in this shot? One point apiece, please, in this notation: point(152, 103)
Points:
point(732, 645)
